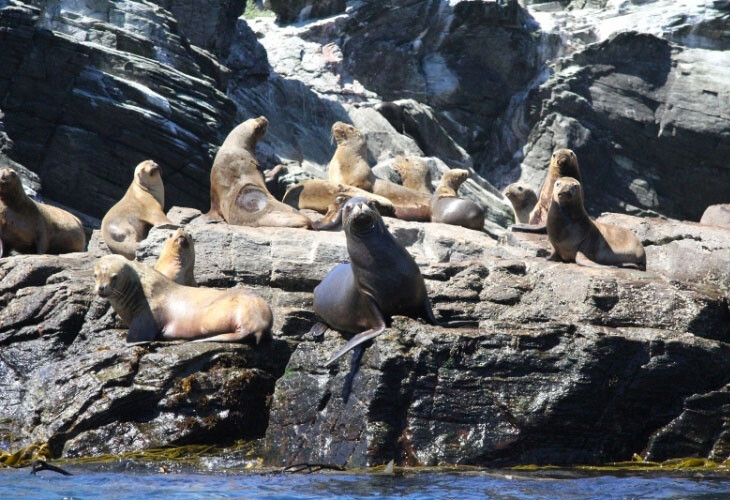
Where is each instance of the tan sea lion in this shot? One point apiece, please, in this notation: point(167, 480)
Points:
point(414, 173)
point(577, 238)
point(27, 226)
point(717, 215)
point(523, 199)
point(177, 258)
point(238, 192)
point(319, 195)
point(349, 164)
point(448, 208)
point(129, 221)
point(156, 308)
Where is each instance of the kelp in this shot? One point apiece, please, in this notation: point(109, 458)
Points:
point(25, 456)
point(638, 464)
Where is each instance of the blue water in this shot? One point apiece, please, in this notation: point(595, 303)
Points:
point(19, 484)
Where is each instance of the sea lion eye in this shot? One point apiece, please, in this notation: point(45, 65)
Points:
point(519, 188)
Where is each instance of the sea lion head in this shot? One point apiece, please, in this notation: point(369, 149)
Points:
point(520, 194)
point(343, 132)
point(148, 174)
point(405, 165)
point(568, 192)
point(111, 272)
point(360, 216)
point(258, 127)
point(451, 181)
point(9, 181)
point(181, 243)
point(566, 161)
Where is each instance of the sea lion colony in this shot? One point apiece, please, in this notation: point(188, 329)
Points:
point(357, 298)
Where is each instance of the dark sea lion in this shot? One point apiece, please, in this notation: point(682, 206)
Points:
point(177, 258)
point(717, 215)
point(414, 173)
point(523, 200)
point(27, 226)
point(332, 220)
point(129, 221)
point(563, 163)
point(156, 308)
point(381, 280)
point(577, 238)
point(448, 208)
point(238, 192)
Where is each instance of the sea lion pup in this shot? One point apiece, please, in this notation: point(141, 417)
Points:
point(523, 199)
point(577, 238)
point(563, 163)
point(349, 165)
point(717, 215)
point(156, 308)
point(319, 195)
point(177, 258)
point(447, 207)
point(238, 192)
point(381, 280)
point(414, 173)
point(27, 226)
point(129, 221)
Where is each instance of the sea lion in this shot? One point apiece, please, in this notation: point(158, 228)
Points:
point(563, 163)
point(238, 191)
point(177, 258)
point(717, 215)
point(414, 173)
point(156, 308)
point(332, 220)
point(349, 165)
point(319, 195)
point(27, 226)
point(381, 280)
point(523, 199)
point(129, 221)
point(577, 238)
point(447, 207)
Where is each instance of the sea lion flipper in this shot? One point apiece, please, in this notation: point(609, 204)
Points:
point(142, 329)
point(529, 228)
point(356, 341)
point(39, 465)
point(582, 260)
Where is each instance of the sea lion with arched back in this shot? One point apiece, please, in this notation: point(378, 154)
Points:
point(563, 163)
point(381, 280)
point(414, 173)
point(577, 238)
point(177, 258)
point(238, 192)
point(523, 199)
point(156, 308)
point(27, 226)
point(448, 208)
point(129, 221)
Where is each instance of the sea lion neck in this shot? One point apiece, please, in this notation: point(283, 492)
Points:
point(14, 196)
point(157, 190)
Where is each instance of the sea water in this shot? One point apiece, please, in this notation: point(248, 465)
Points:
point(85, 484)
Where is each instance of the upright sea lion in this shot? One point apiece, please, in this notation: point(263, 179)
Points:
point(156, 308)
point(349, 165)
point(381, 280)
point(129, 221)
point(563, 163)
point(523, 200)
point(27, 226)
point(414, 173)
point(717, 215)
point(577, 238)
point(238, 191)
point(177, 258)
point(447, 207)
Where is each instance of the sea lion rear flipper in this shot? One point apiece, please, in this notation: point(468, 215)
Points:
point(529, 228)
point(356, 341)
point(142, 329)
point(431, 318)
point(582, 260)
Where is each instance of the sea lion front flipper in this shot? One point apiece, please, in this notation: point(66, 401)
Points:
point(529, 228)
point(582, 260)
point(142, 329)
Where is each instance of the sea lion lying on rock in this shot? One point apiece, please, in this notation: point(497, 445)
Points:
point(319, 195)
point(523, 199)
point(177, 259)
point(129, 221)
point(27, 226)
point(156, 308)
point(448, 208)
point(380, 281)
point(577, 238)
point(238, 192)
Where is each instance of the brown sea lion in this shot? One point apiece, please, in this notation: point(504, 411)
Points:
point(319, 195)
point(156, 308)
point(177, 258)
point(577, 238)
point(129, 221)
point(238, 191)
point(717, 215)
point(448, 208)
point(414, 173)
point(27, 226)
point(523, 199)
point(381, 280)
point(349, 164)
point(563, 163)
